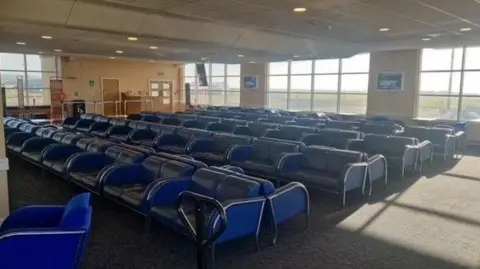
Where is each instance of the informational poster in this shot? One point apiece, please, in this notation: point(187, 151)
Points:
point(390, 81)
point(57, 96)
point(250, 82)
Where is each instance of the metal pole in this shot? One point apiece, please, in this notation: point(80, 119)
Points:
point(462, 75)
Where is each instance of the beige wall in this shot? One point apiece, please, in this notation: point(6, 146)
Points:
point(398, 104)
point(254, 98)
point(134, 76)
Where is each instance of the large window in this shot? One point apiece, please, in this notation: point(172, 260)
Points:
point(450, 84)
point(333, 85)
point(223, 84)
point(30, 72)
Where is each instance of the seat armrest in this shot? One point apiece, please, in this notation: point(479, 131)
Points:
point(239, 153)
point(87, 161)
point(36, 143)
point(425, 150)
point(166, 192)
point(200, 145)
point(410, 155)
point(450, 143)
point(57, 151)
point(33, 216)
point(288, 201)
point(289, 162)
point(244, 217)
point(461, 140)
point(377, 168)
point(126, 174)
point(19, 138)
point(355, 176)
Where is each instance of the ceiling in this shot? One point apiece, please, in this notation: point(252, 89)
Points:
point(219, 30)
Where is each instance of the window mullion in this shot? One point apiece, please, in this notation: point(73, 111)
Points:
point(462, 75)
point(25, 82)
point(339, 84)
point(312, 96)
point(289, 74)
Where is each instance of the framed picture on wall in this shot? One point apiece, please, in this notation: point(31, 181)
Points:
point(250, 82)
point(390, 81)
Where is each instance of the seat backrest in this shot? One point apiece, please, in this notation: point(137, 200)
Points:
point(280, 148)
point(297, 132)
point(280, 119)
point(172, 121)
point(209, 119)
point(176, 169)
point(375, 141)
point(348, 125)
point(40, 131)
point(278, 134)
point(139, 125)
point(438, 135)
point(223, 142)
point(377, 128)
point(194, 124)
point(119, 122)
point(124, 155)
point(219, 127)
point(49, 133)
point(261, 149)
point(259, 129)
point(266, 186)
point(205, 181)
point(309, 121)
point(169, 129)
point(337, 159)
point(58, 136)
point(83, 144)
point(189, 134)
point(100, 146)
point(235, 187)
point(87, 116)
point(71, 138)
point(77, 213)
point(315, 158)
point(398, 143)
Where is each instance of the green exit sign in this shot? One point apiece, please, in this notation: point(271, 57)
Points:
point(91, 83)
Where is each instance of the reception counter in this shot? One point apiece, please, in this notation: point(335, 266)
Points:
point(133, 104)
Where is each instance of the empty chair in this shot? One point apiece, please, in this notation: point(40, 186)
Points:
point(172, 121)
point(310, 122)
point(442, 139)
point(119, 130)
point(388, 128)
point(56, 156)
point(240, 197)
point(15, 140)
point(340, 124)
point(216, 149)
point(277, 119)
point(177, 143)
point(100, 127)
point(87, 168)
point(194, 124)
point(219, 127)
point(259, 129)
point(335, 138)
point(32, 148)
point(83, 124)
point(49, 236)
point(130, 184)
point(400, 152)
point(329, 169)
point(261, 158)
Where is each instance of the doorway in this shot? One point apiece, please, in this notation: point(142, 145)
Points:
point(111, 94)
point(163, 90)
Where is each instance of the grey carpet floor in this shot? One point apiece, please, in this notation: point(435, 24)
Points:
point(427, 221)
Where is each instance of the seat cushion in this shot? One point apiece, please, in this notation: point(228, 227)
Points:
point(117, 191)
point(148, 142)
point(86, 178)
point(165, 214)
point(315, 178)
point(119, 137)
point(134, 196)
point(35, 156)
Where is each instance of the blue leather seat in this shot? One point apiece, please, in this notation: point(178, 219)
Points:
point(86, 169)
point(261, 158)
point(132, 184)
point(337, 171)
point(276, 119)
point(219, 127)
point(194, 124)
point(216, 149)
point(309, 122)
point(335, 138)
point(83, 124)
point(172, 121)
point(259, 129)
point(388, 128)
point(32, 148)
point(209, 119)
point(119, 130)
point(56, 156)
point(240, 197)
point(177, 143)
point(282, 204)
point(442, 139)
point(53, 237)
point(15, 140)
point(344, 125)
point(100, 126)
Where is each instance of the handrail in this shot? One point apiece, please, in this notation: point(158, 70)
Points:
point(201, 203)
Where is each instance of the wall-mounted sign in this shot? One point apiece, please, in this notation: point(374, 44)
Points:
point(21, 100)
point(390, 81)
point(250, 82)
point(91, 83)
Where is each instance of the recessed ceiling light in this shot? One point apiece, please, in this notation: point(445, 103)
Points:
point(46, 37)
point(426, 39)
point(57, 50)
point(296, 56)
point(132, 38)
point(112, 58)
point(384, 29)
point(153, 47)
point(466, 29)
point(204, 59)
point(40, 52)
point(119, 51)
point(240, 55)
point(299, 9)
point(252, 62)
point(21, 43)
point(151, 61)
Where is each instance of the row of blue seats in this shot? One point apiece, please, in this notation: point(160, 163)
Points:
point(149, 182)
